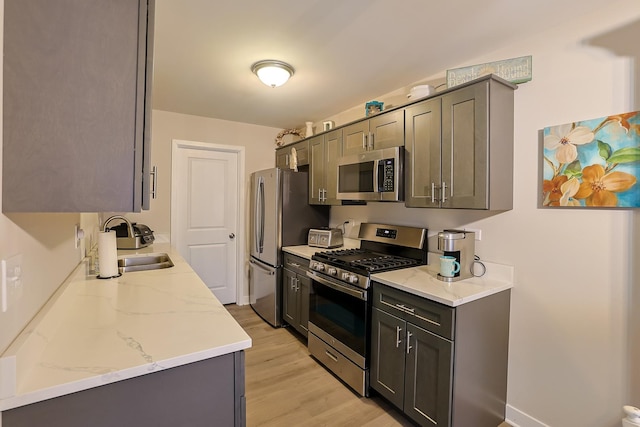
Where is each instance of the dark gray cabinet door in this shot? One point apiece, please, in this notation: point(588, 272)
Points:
point(465, 147)
point(429, 369)
point(388, 356)
point(289, 298)
point(304, 288)
point(316, 170)
point(422, 154)
point(77, 79)
point(387, 130)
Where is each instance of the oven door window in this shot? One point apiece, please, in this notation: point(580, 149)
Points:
point(342, 316)
point(356, 178)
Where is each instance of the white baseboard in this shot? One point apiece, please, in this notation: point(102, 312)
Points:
point(518, 418)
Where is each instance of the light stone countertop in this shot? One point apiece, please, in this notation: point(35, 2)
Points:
point(422, 281)
point(94, 332)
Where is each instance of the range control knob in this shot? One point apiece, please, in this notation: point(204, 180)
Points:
point(332, 271)
point(320, 266)
point(353, 278)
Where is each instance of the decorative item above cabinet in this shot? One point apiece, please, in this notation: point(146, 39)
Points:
point(459, 147)
point(77, 111)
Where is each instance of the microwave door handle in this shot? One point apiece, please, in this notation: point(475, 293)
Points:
point(376, 176)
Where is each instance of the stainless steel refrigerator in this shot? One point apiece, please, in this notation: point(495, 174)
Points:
point(280, 216)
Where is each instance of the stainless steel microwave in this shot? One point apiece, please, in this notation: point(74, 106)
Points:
point(375, 175)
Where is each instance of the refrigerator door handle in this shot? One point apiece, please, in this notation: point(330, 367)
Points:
point(262, 211)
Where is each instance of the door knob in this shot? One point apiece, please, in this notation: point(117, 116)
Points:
point(232, 236)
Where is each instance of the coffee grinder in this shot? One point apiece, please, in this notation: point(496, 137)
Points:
point(461, 245)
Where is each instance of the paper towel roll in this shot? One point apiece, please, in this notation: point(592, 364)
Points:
point(107, 254)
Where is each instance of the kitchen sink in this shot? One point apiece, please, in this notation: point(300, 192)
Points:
point(143, 262)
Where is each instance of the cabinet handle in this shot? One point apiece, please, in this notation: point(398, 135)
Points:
point(371, 141)
point(297, 284)
point(364, 141)
point(409, 347)
point(444, 192)
point(331, 356)
point(405, 308)
point(398, 340)
point(433, 192)
point(320, 194)
point(295, 264)
point(154, 184)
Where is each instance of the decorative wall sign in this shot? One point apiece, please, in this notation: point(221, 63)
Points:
point(515, 70)
point(593, 163)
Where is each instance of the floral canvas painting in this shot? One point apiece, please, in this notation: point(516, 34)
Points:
point(593, 163)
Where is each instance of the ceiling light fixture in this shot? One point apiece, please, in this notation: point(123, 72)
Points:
point(272, 73)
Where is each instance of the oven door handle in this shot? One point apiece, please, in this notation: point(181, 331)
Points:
point(360, 294)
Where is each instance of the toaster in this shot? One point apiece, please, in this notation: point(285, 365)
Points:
point(325, 238)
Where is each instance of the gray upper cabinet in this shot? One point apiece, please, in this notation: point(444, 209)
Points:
point(284, 155)
point(459, 148)
point(77, 87)
point(324, 152)
point(384, 130)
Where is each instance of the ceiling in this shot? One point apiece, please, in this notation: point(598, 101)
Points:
point(344, 52)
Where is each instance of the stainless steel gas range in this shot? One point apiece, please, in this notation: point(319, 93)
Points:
point(340, 300)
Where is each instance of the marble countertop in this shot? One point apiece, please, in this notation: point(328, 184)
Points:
point(423, 281)
point(94, 332)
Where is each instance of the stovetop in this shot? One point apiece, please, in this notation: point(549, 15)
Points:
point(364, 261)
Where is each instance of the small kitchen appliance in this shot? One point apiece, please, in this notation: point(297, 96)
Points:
point(459, 244)
point(130, 235)
point(340, 297)
point(325, 238)
point(375, 175)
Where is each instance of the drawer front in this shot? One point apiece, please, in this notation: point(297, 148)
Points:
point(295, 263)
point(429, 315)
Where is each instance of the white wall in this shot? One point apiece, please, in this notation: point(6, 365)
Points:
point(569, 361)
point(259, 143)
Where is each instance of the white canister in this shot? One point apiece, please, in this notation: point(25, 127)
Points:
point(420, 91)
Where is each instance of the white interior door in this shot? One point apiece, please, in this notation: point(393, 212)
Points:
point(205, 222)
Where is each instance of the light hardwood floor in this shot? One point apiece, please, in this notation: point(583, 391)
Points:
point(286, 387)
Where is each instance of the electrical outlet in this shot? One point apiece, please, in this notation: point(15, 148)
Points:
point(477, 231)
point(78, 234)
point(11, 272)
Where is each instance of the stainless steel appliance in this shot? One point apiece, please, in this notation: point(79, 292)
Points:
point(373, 175)
point(130, 235)
point(460, 244)
point(325, 238)
point(340, 300)
point(280, 216)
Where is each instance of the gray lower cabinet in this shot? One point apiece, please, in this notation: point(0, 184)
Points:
point(77, 105)
point(459, 148)
point(210, 392)
point(441, 366)
point(324, 152)
point(284, 155)
point(295, 293)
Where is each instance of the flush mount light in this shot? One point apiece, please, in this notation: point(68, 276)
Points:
point(272, 73)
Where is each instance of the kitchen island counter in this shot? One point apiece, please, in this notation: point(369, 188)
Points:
point(95, 332)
